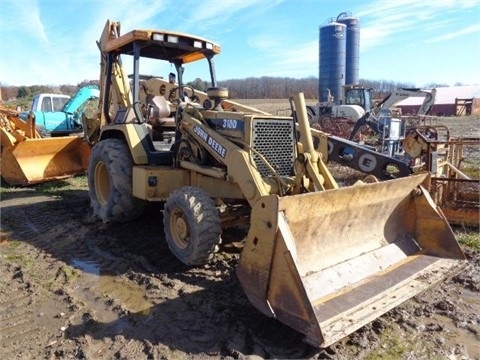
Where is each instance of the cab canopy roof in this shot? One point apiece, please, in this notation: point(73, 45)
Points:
point(164, 45)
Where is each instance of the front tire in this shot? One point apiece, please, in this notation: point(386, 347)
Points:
point(110, 182)
point(192, 225)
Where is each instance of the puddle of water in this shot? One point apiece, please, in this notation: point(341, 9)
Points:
point(86, 266)
point(128, 295)
point(454, 335)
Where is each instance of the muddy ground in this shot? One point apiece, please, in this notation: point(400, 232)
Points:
point(73, 288)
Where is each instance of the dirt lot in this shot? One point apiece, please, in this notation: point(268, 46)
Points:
point(72, 287)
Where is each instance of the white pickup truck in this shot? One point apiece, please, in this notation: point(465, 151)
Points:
point(49, 102)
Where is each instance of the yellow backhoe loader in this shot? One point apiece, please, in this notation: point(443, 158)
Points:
point(323, 259)
point(27, 158)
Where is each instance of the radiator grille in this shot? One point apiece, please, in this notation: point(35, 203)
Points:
point(274, 139)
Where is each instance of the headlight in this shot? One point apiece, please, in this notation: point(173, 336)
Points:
point(172, 38)
point(209, 46)
point(197, 44)
point(158, 37)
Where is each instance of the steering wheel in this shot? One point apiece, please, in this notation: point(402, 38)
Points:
point(175, 96)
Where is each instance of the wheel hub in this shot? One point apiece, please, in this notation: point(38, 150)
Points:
point(180, 231)
point(102, 183)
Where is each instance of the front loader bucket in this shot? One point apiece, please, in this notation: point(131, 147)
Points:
point(44, 159)
point(327, 263)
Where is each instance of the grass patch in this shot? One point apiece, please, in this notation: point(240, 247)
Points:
point(13, 254)
point(390, 347)
point(64, 275)
point(53, 187)
point(470, 240)
point(68, 273)
point(12, 245)
point(7, 189)
point(18, 258)
point(473, 172)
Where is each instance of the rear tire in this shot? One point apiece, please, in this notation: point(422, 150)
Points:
point(311, 112)
point(110, 182)
point(192, 225)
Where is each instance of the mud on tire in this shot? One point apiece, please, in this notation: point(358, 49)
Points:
point(192, 225)
point(110, 182)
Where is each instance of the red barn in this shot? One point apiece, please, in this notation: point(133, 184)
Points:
point(449, 101)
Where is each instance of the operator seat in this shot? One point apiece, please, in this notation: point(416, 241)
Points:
point(158, 112)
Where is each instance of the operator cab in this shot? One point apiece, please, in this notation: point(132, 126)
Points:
point(175, 48)
point(359, 96)
point(153, 101)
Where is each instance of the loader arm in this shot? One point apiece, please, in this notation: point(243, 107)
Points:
point(309, 167)
point(316, 168)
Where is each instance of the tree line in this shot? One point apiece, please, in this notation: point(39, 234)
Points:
point(249, 88)
point(23, 95)
point(283, 87)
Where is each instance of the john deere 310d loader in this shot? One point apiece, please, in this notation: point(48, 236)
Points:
point(323, 259)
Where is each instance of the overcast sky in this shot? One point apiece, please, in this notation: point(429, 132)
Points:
point(47, 42)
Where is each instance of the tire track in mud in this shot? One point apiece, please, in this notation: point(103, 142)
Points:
point(14, 320)
point(67, 239)
point(25, 316)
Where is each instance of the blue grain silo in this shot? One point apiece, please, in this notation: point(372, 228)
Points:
point(332, 55)
point(353, 47)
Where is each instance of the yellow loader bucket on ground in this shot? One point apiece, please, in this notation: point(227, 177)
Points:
point(327, 263)
point(44, 159)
